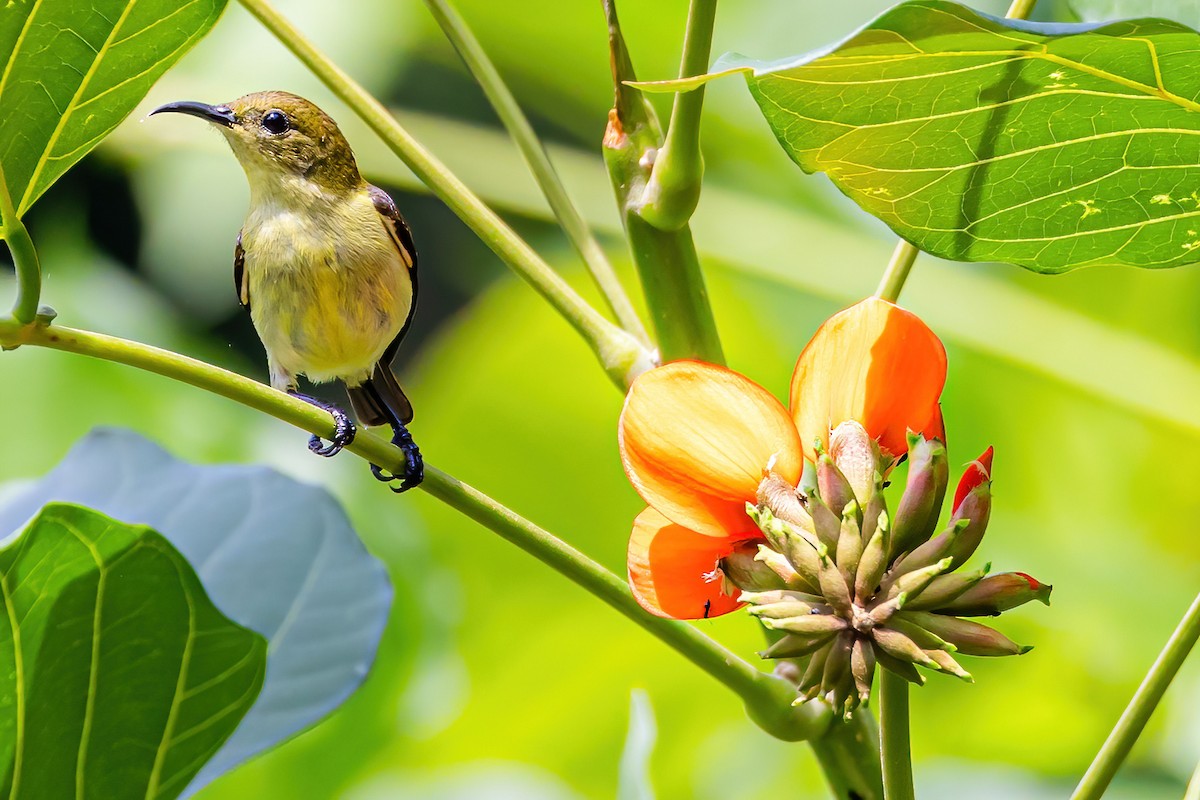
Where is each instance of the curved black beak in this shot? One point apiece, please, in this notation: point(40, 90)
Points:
point(219, 115)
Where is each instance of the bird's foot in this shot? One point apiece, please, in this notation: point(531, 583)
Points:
point(414, 465)
point(343, 430)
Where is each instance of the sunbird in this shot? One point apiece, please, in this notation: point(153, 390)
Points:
point(324, 263)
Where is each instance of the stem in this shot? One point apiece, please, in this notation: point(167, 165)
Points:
point(1138, 712)
point(896, 751)
point(905, 254)
point(24, 256)
point(673, 190)
point(522, 133)
point(897, 271)
point(666, 260)
point(619, 352)
point(848, 753)
point(767, 698)
point(1193, 787)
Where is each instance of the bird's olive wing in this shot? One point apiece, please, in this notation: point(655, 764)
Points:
point(402, 237)
point(239, 273)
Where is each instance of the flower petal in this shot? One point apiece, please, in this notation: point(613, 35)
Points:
point(695, 439)
point(977, 472)
point(673, 571)
point(874, 363)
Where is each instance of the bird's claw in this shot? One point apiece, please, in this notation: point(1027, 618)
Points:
point(343, 428)
point(414, 465)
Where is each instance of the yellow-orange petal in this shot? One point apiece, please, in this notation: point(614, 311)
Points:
point(673, 571)
point(695, 439)
point(874, 363)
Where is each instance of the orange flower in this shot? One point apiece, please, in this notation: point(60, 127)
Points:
point(696, 440)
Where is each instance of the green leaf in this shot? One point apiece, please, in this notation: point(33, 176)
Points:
point(980, 139)
point(118, 676)
point(73, 69)
point(276, 555)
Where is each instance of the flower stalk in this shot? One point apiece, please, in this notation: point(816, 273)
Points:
point(894, 737)
point(621, 355)
point(666, 260)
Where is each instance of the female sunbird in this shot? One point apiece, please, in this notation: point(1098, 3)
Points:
point(324, 263)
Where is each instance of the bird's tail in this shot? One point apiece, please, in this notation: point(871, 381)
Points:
point(379, 400)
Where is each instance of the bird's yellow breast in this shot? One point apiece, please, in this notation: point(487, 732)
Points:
point(328, 287)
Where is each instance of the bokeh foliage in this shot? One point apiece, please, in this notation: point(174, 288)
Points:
point(515, 679)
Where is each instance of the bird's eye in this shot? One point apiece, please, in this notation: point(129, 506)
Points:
point(275, 121)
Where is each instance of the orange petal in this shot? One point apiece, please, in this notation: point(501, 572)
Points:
point(673, 571)
point(695, 439)
point(874, 363)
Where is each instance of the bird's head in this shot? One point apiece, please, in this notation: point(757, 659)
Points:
point(280, 137)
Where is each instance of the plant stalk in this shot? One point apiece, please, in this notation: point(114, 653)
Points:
point(666, 260)
point(1129, 727)
point(896, 747)
point(848, 753)
point(24, 256)
point(536, 157)
point(673, 190)
point(767, 698)
point(622, 356)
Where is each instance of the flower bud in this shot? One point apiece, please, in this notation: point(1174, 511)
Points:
point(974, 510)
point(997, 594)
point(947, 664)
point(789, 604)
point(945, 588)
point(807, 625)
point(834, 588)
point(862, 667)
point(872, 564)
point(794, 645)
point(850, 543)
point(747, 572)
point(970, 638)
point(900, 647)
point(921, 504)
point(834, 489)
point(857, 456)
point(784, 501)
point(795, 544)
point(827, 524)
point(913, 583)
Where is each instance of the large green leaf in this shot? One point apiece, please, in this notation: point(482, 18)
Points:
point(73, 69)
point(981, 139)
point(118, 676)
point(276, 555)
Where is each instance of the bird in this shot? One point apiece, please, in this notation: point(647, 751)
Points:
point(324, 263)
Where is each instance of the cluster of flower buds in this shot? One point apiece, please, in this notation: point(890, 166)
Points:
point(849, 585)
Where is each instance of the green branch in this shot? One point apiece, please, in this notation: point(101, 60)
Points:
point(666, 260)
point(24, 256)
point(622, 356)
point(896, 747)
point(673, 190)
point(522, 133)
point(1095, 781)
point(767, 698)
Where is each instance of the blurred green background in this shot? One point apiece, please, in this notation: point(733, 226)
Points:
point(500, 679)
